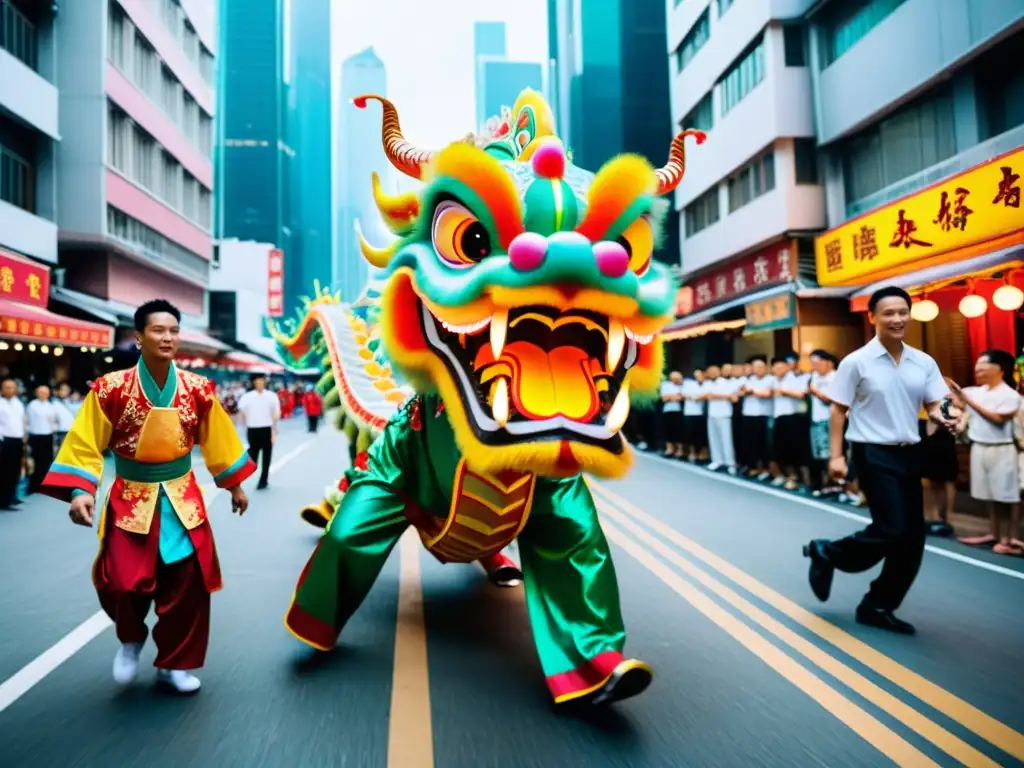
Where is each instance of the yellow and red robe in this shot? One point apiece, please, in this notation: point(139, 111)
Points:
point(151, 432)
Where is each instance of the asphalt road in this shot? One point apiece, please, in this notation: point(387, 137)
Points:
point(438, 668)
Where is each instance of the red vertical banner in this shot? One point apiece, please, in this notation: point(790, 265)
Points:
point(275, 283)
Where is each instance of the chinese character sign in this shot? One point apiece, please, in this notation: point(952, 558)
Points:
point(23, 281)
point(970, 209)
point(14, 324)
point(275, 283)
point(771, 266)
point(771, 314)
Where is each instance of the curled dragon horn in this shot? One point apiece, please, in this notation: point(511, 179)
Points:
point(406, 157)
point(670, 176)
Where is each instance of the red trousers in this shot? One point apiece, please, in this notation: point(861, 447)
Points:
point(182, 602)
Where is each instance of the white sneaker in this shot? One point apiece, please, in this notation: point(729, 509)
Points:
point(178, 679)
point(713, 467)
point(126, 663)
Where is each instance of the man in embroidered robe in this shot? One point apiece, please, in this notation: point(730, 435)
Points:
point(156, 546)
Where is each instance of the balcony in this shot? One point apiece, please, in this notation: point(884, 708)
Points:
point(25, 94)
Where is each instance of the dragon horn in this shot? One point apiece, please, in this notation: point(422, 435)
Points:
point(670, 176)
point(403, 155)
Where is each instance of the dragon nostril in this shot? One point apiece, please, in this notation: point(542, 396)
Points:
point(612, 259)
point(527, 251)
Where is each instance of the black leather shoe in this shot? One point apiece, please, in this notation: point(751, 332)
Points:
point(882, 618)
point(822, 570)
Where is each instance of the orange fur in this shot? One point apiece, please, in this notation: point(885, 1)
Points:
point(616, 187)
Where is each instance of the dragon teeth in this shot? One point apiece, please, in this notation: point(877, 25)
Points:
point(639, 338)
point(619, 412)
point(499, 401)
point(499, 331)
point(468, 329)
point(616, 343)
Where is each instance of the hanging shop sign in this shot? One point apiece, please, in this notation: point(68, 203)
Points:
point(979, 206)
point(771, 266)
point(771, 314)
point(275, 283)
point(23, 281)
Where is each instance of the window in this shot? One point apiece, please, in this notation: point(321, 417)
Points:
point(205, 134)
point(702, 212)
point(190, 42)
point(205, 218)
point(793, 44)
point(206, 65)
point(138, 235)
point(999, 83)
point(116, 50)
point(743, 77)
point(190, 119)
point(752, 181)
point(702, 116)
point(170, 93)
point(189, 197)
point(693, 41)
point(916, 137)
point(17, 180)
point(844, 24)
point(723, 6)
point(170, 177)
point(144, 160)
point(18, 35)
point(172, 14)
point(118, 139)
point(144, 65)
point(805, 158)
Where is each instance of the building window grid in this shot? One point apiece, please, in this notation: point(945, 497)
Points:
point(723, 6)
point(702, 116)
point(695, 40)
point(17, 180)
point(744, 76)
point(805, 161)
point(702, 212)
point(136, 234)
point(206, 64)
point(851, 24)
point(18, 35)
point(750, 182)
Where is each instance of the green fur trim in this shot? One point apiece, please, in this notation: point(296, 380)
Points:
point(639, 207)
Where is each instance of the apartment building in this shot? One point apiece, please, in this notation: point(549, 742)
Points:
point(920, 121)
point(752, 197)
point(134, 199)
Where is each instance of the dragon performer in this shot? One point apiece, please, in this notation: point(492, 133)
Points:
point(522, 304)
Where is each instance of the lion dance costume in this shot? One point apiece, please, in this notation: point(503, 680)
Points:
point(522, 304)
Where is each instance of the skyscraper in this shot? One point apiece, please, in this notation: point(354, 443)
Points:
point(308, 127)
point(499, 81)
point(358, 154)
point(253, 156)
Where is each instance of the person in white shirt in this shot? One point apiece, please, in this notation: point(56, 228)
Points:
point(756, 413)
point(739, 374)
point(672, 414)
point(65, 416)
point(824, 365)
point(992, 406)
point(260, 409)
point(41, 421)
point(882, 386)
point(792, 424)
point(695, 425)
point(721, 395)
point(12, 447)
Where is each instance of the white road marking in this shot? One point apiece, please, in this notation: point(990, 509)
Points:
point(831, 510)
point(26, 678)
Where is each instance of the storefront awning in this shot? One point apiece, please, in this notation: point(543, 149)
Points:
point(245, 361)
point(197, 341)
point(101, 309)
point(25, 322)
point(700, 318)
point(933, 277)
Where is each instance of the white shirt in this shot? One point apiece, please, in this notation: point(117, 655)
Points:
point(820, 410)
point(259, 408)
point(798, 382)
point(782, 405)
point(65, 418)
point(758, 406)
point(884, 398)
point(668, 388)
point(12, 418)
point(722, 409)
point(42, 417)
point(693, 388)
point(999, 399)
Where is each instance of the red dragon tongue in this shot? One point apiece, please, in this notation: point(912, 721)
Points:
point(548, 384)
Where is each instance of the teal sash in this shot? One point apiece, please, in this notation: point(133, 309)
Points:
point(138, 472)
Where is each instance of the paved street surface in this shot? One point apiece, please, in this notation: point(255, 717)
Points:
point(438, 668)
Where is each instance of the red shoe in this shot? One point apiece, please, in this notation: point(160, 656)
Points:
point(502, 571)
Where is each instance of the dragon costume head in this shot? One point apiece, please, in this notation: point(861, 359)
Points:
point(523, 290)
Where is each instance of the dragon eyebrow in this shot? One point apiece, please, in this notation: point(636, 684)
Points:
point(621, 191)
point(484, 177)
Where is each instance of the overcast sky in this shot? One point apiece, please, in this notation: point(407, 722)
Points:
point(427, 48)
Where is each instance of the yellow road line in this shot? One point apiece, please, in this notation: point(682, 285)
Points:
point(410, 738)
point(964, 713)
point(882, 738)
point(942, 738)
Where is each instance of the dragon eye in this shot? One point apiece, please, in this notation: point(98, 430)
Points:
point(638, 240)
point(458, 236)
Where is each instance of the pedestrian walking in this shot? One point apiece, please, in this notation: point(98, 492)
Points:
point(42, 424)
point(882, 386)
point(260, 409)
point(313, 405)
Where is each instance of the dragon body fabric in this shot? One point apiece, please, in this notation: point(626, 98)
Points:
point(521, 304)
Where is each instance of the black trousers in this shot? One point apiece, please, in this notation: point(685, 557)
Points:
point(260, 442)
point(41, 447)
point(890, 477)
point(314, 422)
point(752, 448)
point(12, 450)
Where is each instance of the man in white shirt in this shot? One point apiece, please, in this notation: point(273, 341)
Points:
point(756, 412)
point(260, 411)
point(722, 393)
point(882, 386)
point(695, 427)
point(12, 447)
point(41, 423)
point(992, 407)
point(672, 414)
point(792, 427)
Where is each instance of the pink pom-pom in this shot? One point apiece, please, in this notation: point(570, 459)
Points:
point(549, 161)
point(612, 259)
point(527, 251)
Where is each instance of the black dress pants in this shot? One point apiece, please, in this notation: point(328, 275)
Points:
point(260, 442)
point(12, 450)
point(41, 447)
point(754, 441)
point(890, 477)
